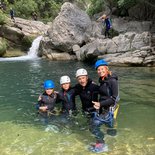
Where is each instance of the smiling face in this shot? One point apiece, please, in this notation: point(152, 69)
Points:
point(65, 86)
point(49, 91)
point(82, 80)
point(102, 71)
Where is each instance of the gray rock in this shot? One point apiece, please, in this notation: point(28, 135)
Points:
point(60, 56)
point(72, 26)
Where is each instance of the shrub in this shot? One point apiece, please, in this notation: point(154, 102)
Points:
point(3, 18)
point(3, 47)
point(27, 42)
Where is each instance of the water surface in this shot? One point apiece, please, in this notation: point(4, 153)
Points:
point(23, 133)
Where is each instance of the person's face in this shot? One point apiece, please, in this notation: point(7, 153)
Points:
point(102, 71)
point(65, 86)
point(82, 80)
point(49, 91)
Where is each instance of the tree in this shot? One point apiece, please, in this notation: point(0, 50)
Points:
point(25, 8)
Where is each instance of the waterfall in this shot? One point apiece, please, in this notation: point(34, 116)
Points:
point(32, 53)
point(34, 48)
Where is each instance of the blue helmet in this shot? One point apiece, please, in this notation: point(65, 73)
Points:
point(100, 63)
point(49, 84)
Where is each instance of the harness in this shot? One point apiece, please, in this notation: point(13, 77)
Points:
point(104, 118)
point(108, 115)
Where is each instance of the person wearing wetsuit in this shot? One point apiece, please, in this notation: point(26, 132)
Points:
point(108, 92)
point(46, 101)
point(67, 96)
point(86, 89)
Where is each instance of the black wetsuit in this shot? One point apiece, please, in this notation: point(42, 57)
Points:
point(49, 101)
point(68, 100)
point(108, 92)
point(87, 94)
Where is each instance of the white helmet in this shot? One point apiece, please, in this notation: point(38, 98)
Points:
point(65, 79)
point(81, 72)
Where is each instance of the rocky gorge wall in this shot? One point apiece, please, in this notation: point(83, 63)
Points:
point(74, 36)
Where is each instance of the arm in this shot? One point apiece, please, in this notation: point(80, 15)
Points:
point(110, 100)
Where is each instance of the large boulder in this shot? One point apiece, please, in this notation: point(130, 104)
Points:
point(12, 34)
point(72, 26)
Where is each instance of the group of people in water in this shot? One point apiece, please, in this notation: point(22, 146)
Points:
point(99, 102)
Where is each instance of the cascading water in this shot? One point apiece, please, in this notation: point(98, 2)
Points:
point(32, 54)
point(34, 48)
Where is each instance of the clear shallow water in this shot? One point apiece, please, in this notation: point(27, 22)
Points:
point(22, 132)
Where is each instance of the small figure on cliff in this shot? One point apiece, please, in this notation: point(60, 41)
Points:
point(34, 15)
point(12, 14)
point(107, 23)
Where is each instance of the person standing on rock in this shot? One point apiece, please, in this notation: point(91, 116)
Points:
point(34, 15)
point(12, 14)
point(107, 23)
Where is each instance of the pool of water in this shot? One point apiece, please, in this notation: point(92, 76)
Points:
point(22, 132)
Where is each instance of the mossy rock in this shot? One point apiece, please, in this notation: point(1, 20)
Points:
point(3, 47)
point(14, 53)
point(3, 18)
point(113, 33)
point(27, 42)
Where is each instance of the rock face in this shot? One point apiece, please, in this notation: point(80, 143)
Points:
point(130, 48)
point(21, 31)
point(31, 27)
point(72, 26)
point(135, 45)
point(74, 33)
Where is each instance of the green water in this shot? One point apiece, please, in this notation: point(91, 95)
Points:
point(22, 133)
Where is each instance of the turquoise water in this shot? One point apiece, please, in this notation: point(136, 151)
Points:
point(22, 133)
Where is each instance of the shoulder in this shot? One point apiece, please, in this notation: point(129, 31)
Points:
point(93, 86)
point(77, 87)
point(113, 79)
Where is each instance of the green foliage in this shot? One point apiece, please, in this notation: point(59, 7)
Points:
point(124, 5)
point(27, 42)
point(113, 33)
point(3, 47)
point(24, 8)
point(48, 9)
point(3, 18)
point(96, 6)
